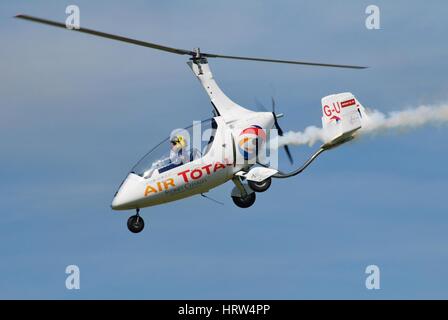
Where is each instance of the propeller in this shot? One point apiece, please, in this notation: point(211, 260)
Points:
point(277, 116)
point(195, 54)
point(279, 130)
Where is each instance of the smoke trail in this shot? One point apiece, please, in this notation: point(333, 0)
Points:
point(376, 122)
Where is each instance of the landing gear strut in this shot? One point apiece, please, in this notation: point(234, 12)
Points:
point(136, 223)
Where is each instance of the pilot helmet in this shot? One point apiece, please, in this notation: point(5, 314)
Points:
point(178, 141)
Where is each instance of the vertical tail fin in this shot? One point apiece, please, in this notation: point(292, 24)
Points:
point(342, 117)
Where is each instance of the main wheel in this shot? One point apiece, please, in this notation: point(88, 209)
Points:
point(136, 224)
point(245, 202)
point(260, 186)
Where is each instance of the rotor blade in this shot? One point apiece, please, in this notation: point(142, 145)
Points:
point(273, 105)
point(288, 153)
point(174, 50)
point(106, 35)
point(211, 55)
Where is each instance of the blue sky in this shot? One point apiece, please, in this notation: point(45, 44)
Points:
point(78, 112)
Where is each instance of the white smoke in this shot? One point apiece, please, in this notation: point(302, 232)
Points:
point(376, 122)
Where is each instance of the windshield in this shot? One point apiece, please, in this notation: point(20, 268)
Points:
point(182, 146)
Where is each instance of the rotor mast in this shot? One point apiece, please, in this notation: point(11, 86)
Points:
point(222, 104)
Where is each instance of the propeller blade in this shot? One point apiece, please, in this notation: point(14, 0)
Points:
point(280, 133)
point(194, 54)
point(273, 105)
point(260, 106)
point(106, 35)
point(288, 153)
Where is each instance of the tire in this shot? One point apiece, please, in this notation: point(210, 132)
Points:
point(245, 202)
point(136, 224)
point(260, 186)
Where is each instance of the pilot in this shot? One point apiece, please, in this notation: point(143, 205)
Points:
point(178, 154)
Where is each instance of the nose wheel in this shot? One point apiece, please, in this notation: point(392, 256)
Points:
point(245, 201)
point(242, 195)
point(136, 223)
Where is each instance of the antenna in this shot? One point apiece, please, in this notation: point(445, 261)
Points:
point(211, 199)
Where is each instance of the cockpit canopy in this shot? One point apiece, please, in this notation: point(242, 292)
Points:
point(183, 146)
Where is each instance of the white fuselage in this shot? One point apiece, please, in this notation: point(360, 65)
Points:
point(216, 167)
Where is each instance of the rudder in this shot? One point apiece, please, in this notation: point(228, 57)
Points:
point(342, 116)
